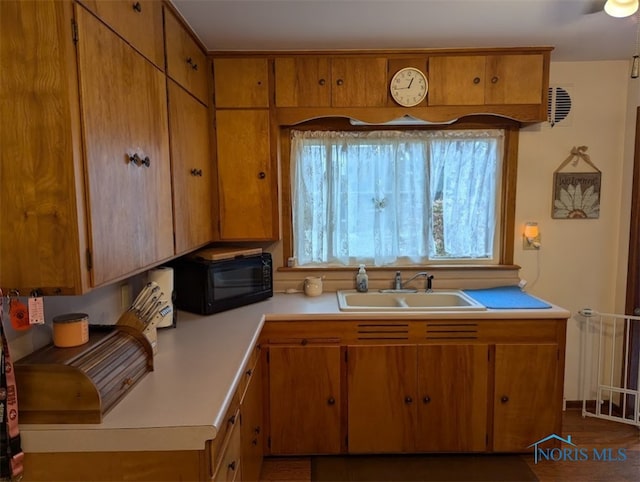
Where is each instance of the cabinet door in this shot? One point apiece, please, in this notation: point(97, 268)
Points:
point(456, 80)
point(247, 200)
point(304, 399)
point(241, 83)
point(514, 79)
point(525, 400)
point(251, 426)
point(139, 22)
point(191, 170)
point(303, 82)
point(186, 62)
point(358, 82)
point(42, 197)
point(452, 398)
point(124, 113)
point(381, 382)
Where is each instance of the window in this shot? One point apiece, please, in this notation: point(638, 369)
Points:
point(388, 197)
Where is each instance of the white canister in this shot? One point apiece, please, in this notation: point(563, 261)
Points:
point(313, 286)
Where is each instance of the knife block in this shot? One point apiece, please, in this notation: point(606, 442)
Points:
point(81, 384)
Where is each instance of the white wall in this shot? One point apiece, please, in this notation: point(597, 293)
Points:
point(582, 263)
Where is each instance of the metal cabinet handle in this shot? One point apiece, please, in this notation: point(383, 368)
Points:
point(408, 400)
point(137, 7)
point(232, 419)
point(339, 82)
point(249, 372)
point(196, 172)
point(504, 399)
point(426, 399)
point(138, 161)
point(193, 65)
point(476, 80)
point(331, 401)
point(322, 82)
point(232, 465)
point(494, 80)
point(262, 175)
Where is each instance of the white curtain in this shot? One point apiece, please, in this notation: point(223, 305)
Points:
point(393, 197)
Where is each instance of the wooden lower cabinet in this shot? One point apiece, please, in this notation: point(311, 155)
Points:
point(304, 399)
point(452, 402)
point(251, 425)
point(424, 398)
point(527, 395)
point(381, 383)
point(485, 386)
point(230, 466)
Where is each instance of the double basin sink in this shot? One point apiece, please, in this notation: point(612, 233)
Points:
point(403, 300)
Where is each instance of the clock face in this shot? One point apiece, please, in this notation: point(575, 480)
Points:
point(409, 86)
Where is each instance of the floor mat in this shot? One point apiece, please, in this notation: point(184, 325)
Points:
point(401, 468)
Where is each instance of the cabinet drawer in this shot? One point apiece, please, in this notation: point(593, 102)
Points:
point(218, 445)
point(139, 22)
point(248, 372)
point(186, 62)
point(229, 467)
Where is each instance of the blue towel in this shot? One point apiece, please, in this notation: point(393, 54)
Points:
point(506, 298)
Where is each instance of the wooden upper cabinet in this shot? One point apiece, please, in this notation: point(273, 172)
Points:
point(303, 82)
point(42, 240)
point(359, 82)
point(139, 22)
point(191, 170)
point(187, 64)
point(331, 82)
point(126, 137)
point(241, 82)
point(247, 184)
point(486, 80)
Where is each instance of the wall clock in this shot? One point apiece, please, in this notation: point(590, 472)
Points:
point(409, 86)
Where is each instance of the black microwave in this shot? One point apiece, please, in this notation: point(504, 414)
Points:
point(207, 286)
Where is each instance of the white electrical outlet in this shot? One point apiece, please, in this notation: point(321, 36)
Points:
point(125, 296)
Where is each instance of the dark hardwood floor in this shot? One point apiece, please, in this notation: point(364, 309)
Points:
point(587, 433)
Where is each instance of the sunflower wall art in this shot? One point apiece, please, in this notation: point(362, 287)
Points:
point(576, 195)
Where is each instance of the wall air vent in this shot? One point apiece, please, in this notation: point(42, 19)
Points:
point(559, 106)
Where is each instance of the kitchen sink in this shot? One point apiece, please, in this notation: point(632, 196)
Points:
point(388, 300)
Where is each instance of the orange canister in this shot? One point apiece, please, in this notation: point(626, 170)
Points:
point(71, 329)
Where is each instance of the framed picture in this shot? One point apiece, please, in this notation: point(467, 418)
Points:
point(576, 195)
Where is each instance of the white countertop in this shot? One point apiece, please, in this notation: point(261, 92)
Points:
point(180, 404)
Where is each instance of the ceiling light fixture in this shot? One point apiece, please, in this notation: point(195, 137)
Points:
point(621, 8)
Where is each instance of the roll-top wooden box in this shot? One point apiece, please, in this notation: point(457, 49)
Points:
point(81, 384)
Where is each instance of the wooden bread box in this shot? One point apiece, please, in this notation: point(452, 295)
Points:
point(81, 384)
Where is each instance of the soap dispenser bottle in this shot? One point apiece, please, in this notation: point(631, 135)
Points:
point(362, 280)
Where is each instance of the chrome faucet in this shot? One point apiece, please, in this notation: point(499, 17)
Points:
point(397, 282)
point(428, 277)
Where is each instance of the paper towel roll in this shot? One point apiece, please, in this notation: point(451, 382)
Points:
point(164, 277)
